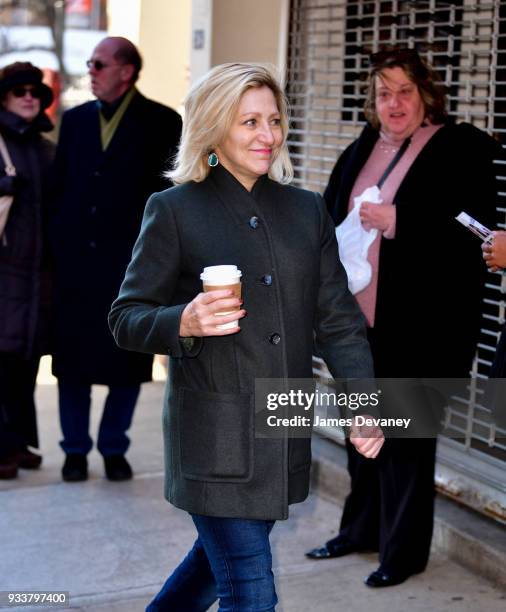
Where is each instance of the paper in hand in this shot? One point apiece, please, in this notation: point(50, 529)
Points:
point(475, 226)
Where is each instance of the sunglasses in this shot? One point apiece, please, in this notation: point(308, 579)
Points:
point(99, 65)
point(20, 92)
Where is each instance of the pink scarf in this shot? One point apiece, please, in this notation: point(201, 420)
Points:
point(382, 154)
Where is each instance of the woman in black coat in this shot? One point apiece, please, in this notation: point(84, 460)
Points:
point(424, 297)
point(24, 273)
point(232, 206)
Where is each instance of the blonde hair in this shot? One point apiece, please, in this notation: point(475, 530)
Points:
point(210, 108)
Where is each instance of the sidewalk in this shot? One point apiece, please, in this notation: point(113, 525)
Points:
point(113, 544)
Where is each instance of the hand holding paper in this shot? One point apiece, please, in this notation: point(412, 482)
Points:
point(494, 251)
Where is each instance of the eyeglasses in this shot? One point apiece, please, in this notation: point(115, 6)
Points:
point(98, 65)
point(20, 92)
point(390, 56)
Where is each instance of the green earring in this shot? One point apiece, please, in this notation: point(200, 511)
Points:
point(212, 160)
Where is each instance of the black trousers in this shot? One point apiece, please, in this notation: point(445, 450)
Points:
point(496, 386)
point(18, 420)
point(391, 504)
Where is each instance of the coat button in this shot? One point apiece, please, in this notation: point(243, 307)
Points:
point(253, 222)
point(274, 338)
point(267, 279)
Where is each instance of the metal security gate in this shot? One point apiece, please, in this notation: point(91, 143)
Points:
point(329, 45)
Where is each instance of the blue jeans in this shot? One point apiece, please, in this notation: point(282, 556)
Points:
point(230, 560)
point(75, 404)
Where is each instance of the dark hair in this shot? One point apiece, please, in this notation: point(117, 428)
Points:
point(127, 53)
point(432, 91)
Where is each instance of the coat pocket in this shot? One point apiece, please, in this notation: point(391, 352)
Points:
point(217, 436)
point(299, 454)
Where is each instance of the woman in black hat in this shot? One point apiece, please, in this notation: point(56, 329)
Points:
point(24, 281)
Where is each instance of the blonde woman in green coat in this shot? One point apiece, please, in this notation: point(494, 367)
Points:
point(232, 205)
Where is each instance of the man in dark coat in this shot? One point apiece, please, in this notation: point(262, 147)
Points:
point(111, 155)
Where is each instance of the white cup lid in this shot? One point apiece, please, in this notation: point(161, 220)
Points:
point(221, 274)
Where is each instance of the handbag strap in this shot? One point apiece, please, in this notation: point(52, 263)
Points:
point(394, 162)
point(10, 170)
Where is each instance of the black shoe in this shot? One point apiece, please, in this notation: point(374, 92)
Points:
point(381, 579)
point(28, 460)
point(75, 468)
point(117, 468)
point(8, 468)
point(331, 551)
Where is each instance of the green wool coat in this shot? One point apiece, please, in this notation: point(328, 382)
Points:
point(294, 290)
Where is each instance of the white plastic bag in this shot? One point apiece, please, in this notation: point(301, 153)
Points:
point(354, 242)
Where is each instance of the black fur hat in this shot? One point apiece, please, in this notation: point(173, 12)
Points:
point(25, 73)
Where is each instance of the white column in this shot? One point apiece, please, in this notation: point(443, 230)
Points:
point(200, 55)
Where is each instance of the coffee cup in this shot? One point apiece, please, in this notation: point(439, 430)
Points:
point(223, 277)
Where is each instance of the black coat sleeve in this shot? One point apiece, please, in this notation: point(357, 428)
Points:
point(166, 139)
point(8, 185)
point(330, 195)
point(477, 183)
point(143, 317)
point(56, 179)
point(340, 326)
